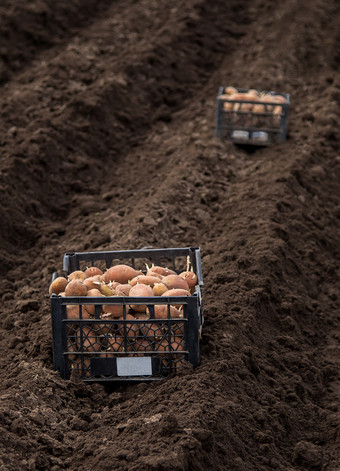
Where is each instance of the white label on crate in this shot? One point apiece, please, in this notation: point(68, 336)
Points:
point(134, 366)
point(240, 135)
point(260, 136)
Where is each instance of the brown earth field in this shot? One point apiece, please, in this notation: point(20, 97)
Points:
point(107, 142)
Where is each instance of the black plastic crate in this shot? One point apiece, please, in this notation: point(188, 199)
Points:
point(255, 121)
point(127, 349)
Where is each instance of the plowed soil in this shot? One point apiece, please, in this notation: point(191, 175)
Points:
point(107, 142)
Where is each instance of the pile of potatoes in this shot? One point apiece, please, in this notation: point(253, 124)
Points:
point(133, 338)
point(267, 110)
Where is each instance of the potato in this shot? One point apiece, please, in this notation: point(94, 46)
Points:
point(277, 109)
point(93, 293)
point(174, 282)
point(229, 93)
point(156, 275)
point(92, 271)
point(191, 278)
point(227, 106)
point(268, 99)
point(230, 90)
point(87, 340)
point(92, 282)
point(76, 288)
point(279, 99)
point(259, 108)
point(246, 97)
point(145, 280)
point(140, 315)
point(107, 354)
point(141, 290)
point(161, 312)
point(176, 292)
point(178, 329)
point(153, 332)
point(116, 310)
point(115, 344)
point(123, 290)
point(120, 273)
point(159, 289)
point(236, 106)
point(87, 367)
point(128, 330)
point(71, 348)
point(174, 345)
point(105, 328)
point(142, 345)
point(177, 344)
point(157, 270)
point(76, 275)
point(107, 290)
point(58, 285)
point(73, 312)
point(162, 346)
point(224, 96)
point(150, 330)
point(137, 291)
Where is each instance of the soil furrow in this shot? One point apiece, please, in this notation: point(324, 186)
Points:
point(85, 128)
point(29, 29)
point(267, 220)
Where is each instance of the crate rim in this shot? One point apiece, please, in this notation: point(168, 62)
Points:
point(132, 251)
point(121, 299)
point(139, 253)
point(245, 90)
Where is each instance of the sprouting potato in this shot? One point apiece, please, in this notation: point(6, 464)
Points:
point(175, 282)
point(92, 282)
point(120, 273)
point(92, 271)
point(157, 270)
point(76, 275)
point(146, 280)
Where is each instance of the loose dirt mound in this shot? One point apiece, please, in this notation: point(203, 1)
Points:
point(106, 133)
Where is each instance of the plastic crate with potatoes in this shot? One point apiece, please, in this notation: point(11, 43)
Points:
point(130, 318)
point(252, 117)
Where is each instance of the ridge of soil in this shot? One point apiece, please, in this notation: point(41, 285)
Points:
point(106, 134)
